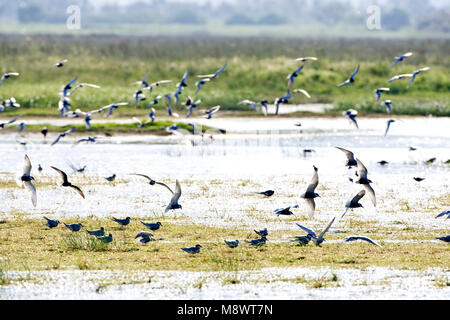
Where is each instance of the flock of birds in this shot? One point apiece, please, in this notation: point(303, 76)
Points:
point(359, 176)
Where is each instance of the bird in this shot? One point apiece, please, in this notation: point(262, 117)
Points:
point(400, 77)
point(65, 89)
point(351, 114)
point(152, 226)
point(257, 242)
point(122, 222)
point(309, 195)
point(213, 75)
point(430, 161)
point(267, 193)
point(145, 236)
point(182, 84)
point(111, 178)
point(39, 168)
point(60, 63)
point(351, 79)
point(154, 101)
point(87, 140)
point(306, 151)
point(388, 104)
point(351, 162)
point(285, 211)
point(111, 107)
point(191, 105)
point(354, 238)
point(81, 85)
point(11, 102)
point(415, 73)
point(293, 75)
point(74, 226)
point(3, 124)
point(8, 75)
point(106, 239)
point(401, 58)
point(44, 132)
point(388, 124)
point(383, 162)
point(444, 213)
point(26, 178)
point(144, 81)
point(262, 232)
point(209, 113)
point(249, 103)
point(66, 182)
point(284, 99)
point(152, 115)
point(63, 106)
point(138, 97)
point(173, 204)
point(200, 83)
point(51, 223)
point(302, 240)
point(354, 202)
point(412, 148)
point(445, 239)
point(157, 84)
point(304, 92)
point(303, 59)
point(362, 174)
point(378, 93)
point(317, 239)
point(232, 244)
point(418, 179)
point(192, 250)
point(63, 135)
point(153, 182)
point(98, 233)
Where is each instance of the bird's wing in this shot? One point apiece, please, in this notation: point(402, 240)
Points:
point(344, 83)
point(358, 196)
point(362, 170)
point(302, 91)
point(77, 189)
point(311, 207)
point(326, 229)
point(369, 240)
point(307, 230)
point(348, 153)
point(165, 185)
point(314, 182)
point(27, 166)
point(32, 189)
point(62, 173)
point(355, 72)
point(371, 194)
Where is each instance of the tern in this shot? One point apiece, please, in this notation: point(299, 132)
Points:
point(209, 113)
point(401, 58)
point(60, 63)
point(8, 75)
point(388, 124)
point(122, 222)
point(351, 162)
point(153, 182)
point(293, 75)
point(351, 79)
point(3, 124)
point(354, 238)
point(213, 75)
point(302, 91)
point(303, 59)
point(262, 232)
point(98, 233)
point(317, 239)
point(309, 195)
point(285, 211)
point(378, 93)
point(232, 244)
point(173, 204)
point(152, 226)
point(415, 73)
point(267, 193)
point(51, 223)
point(362, 174)
point(145, 236)
point(354, 202)
point(74, 226)
point(284, 99)
point(26, 178)
point(444, 213)
point(66, 182)
point(192, 250)
point(388, 104)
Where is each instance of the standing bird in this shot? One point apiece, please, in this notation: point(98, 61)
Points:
point(351, 79)
point(8, 75)
point(388, 125)
point(351, 114)
point(74, 226)
point(51, 223)
point(267, 193)
point(293, 75)
point(362, 174)
point(354, 202)
point(401, 58)
point(232, 244)
point(152, 226)
point(111, 178)
point(122, 222)
point(378, 93)
point(106, 239)
point(317, 239)
point(66, 182)
point(98, 233)
point(60, 63)
point(173, 204)
point(257, 242)
point(415, 73)
point(354, 238)
point(63, 135)
point(26, 179)
point(192, 250)
point(351, 162)
point(388, 104)
point(309, 195)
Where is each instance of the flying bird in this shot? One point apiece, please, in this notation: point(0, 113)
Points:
point(378, 93)
point(157, 84)
point(401, 58)
point(351, 114)
point(173, 204)
point(209, 113)
point(388, 125)
point(153, 182)
point(284, 99)
point(302, 91)
point(81, 85)
point(418, 179)
point(354, 202)
point(3, 124)
point(8, 75)
point(293, 75)
point(303, 59)
point(144, 81)
point(354, 238)
point(309, 195)
point(60, 63)
point(362, 174)
point(66, 182)
point(388, 104)
point(26, 178)
point(351, 162)
point(213, 75)
point(415, 73)
point(285, 211)
point(317, 239)
point(351, 79)
point(400, 77)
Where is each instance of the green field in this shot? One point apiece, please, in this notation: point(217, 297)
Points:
point(257, 70)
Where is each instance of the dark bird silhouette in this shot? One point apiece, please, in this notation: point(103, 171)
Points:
point(66, 182)
point(267, 193)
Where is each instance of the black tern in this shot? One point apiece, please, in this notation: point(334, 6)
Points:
point(351, 79)
point(66, 182)
point(111, 178)
point(173, 204)
point(388, 104)
point(262, 232)
point(192, 250)
point(418, 179)
point(44, 132)
point(26, 178)
point(354, 203)
point(74, 226)
point(444, 213)
point(383, 162)
point(8, 75)
point(445, 239)
point(60, 63)
point(63, 135)
point(152, 226)
point(430, 161)
point(318, 239)
point(362, 175)
point(285, 211)
point(122, 222)
point(351, 114)
point(378, 93)
point(284, 99)
point(257, 242)
point(153, 182)
point(232, 244)
point(303, 240)
point(354, 238)
point(293, 75)
point(267, 193)
point(309, 195)
point(98, 233)
point(209, 113)
point(51, 223)
point(415, 73)
point(106, 239)
point(145, 236)
point(388, 125)
point(401, 58)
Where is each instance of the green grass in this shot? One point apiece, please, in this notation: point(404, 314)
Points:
point(257, 70)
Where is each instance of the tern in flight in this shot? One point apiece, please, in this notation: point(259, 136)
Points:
point(66, 182)
point(27, 178)
point(8, 75)
point(317, 239)
point(362, 174)
point(309, 195)
point(213, 75)
point(415, 73)
point(354, 238)
point(173, 204)
point(401, 58)
point(351, 79)
point(354, 202)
